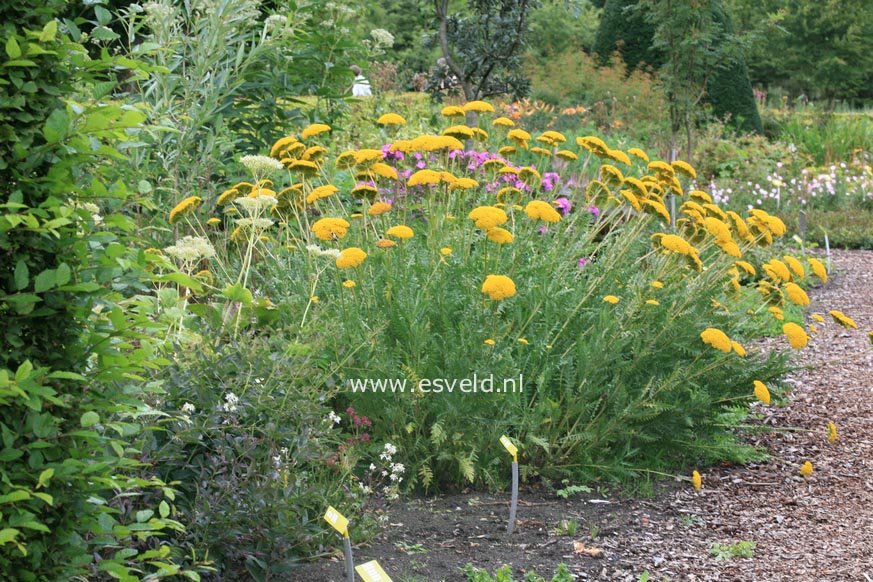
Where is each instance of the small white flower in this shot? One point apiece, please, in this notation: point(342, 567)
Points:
point(317, 251)
point(332, 418)
point(261, 164)
point(276, 21)
point(191, 249)
point(254, 206)
point(230, 402)
point(372, 467)
point(189, 408)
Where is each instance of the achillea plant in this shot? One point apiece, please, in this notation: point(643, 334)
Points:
point(544, 296)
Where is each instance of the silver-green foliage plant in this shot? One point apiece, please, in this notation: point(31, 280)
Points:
point(227, 74)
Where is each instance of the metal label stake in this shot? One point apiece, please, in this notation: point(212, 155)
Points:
point(513, 506)
point(350, 562)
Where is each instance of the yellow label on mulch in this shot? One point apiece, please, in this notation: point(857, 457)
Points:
point(372, 572)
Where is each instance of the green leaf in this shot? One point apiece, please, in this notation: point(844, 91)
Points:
point(23, 371)
point(9, 454)
point(19, 495)
point(49, 31)
point(8, 534)
point(115, 250)
point(144, 515)
point(13, 49)
point(63, 274)
point(45, 280)
point(90, 418)
point(45, 497)
point(22, 275)
point(239, 293)
point(164, 509)
point(19, 63)
point(45, 477)
point(104, 17)
point(35, 525)
point(88, 287)
point(182, 280)
point(101, 90)
point(64, 375)
point(43, 425)
point(132, 118)
point(57, 126)
point(144, 187)
point(103, 33)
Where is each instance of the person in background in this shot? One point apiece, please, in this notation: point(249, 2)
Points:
point(361, 88)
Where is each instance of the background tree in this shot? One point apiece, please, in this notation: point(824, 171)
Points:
point(698, 56)
point(483, 49)
point(560, 26)
point(822, 50)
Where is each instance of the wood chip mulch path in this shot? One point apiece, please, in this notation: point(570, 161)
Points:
point(818, 528)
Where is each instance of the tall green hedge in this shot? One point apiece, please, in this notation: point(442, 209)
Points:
point(37, 326)
point(75, 501)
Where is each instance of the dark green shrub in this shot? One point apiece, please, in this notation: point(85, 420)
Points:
point(846, 228)
point(74, 500)
point(626, 30)
point(255, 456)
point(730, 90)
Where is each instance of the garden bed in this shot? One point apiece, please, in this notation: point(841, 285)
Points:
point(793, 527)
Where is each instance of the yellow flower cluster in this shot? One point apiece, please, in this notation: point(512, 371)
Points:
point(400, 231)
point(498, 287)
point(487, 217)
point(350, 257)
point(539, 210)
point(717, 339)
point(761, 392)
point(330, 228)
point(184, 208)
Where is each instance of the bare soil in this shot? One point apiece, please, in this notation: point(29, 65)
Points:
point(816, 528)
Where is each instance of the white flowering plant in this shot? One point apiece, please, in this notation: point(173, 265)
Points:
point(252, 443)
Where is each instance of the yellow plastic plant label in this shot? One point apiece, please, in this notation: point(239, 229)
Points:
point(507, 444)
point(336, 520)
point(372, 572)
